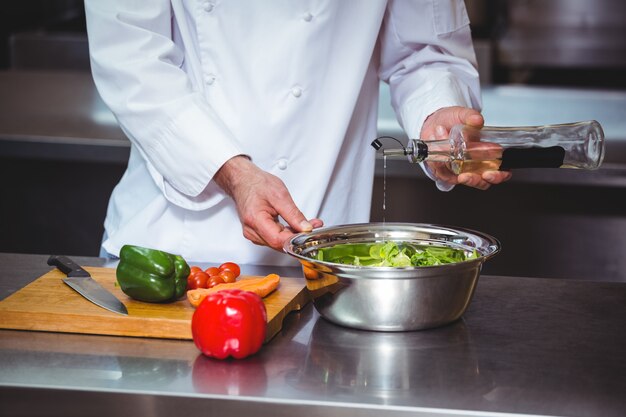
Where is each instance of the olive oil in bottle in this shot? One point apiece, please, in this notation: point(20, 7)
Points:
point(577, 145)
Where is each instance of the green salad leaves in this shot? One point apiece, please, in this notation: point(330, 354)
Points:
point(396, 254)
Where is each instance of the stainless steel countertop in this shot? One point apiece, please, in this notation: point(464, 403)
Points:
point(526, 346)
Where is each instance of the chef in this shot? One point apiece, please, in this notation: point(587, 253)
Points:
point(251, 120)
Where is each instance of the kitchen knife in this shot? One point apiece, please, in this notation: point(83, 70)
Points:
point(82, 283)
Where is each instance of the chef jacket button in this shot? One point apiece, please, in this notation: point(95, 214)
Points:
point(210, 79)
point(307, 17)
point(282, 164)
point(208, 7)
point(296, 91)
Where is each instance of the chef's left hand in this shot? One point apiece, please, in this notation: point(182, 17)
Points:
point(261, 198)
point(437, 126)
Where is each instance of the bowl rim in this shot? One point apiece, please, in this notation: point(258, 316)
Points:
point(493, 243)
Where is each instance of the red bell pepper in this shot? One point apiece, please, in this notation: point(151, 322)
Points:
point(229, 323)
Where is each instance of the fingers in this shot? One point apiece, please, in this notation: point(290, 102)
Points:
point(316, 223)
point(441, 132)
point(250, 234)
point(437, 126)
point(271, 232)
point(287, 209)
point(294, 217)
point(473, 180)
point(496, 177)
point(261, 198)
point(451, 116)
point(263, 227)
point(470, 117)
point(484, 181)
point(476, 120)
point(268, 231)
point(274, 233)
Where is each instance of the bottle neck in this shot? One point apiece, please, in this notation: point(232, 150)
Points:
point(432, 150)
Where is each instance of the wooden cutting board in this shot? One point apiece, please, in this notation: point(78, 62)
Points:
point(48, 304)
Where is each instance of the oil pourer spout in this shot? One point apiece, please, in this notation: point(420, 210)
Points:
point(416, 151)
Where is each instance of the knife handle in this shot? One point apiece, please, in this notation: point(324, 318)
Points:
point(67, 266)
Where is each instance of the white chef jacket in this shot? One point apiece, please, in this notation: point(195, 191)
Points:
point(292, 84)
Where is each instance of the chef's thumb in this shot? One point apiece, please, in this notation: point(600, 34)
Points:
point(460, 115)
point(470, 117)
point(296, 220)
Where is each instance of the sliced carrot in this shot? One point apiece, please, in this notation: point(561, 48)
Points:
point(260, 286)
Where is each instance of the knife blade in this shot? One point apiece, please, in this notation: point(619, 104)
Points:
point(80, 280)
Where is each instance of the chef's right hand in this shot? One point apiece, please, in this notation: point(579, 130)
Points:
point(261, 198)
point(437, 126)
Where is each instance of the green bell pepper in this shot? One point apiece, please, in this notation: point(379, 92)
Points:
point(151, 275)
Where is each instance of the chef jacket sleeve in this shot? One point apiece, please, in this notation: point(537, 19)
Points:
point(428, 59)
point(137, 70)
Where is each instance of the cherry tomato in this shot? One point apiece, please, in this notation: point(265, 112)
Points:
point(213, 281)
point(194, 269)
point(197, 279)
point(227, 275)
point(212, 271)
point(231, 266)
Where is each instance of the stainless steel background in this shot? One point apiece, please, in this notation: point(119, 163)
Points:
point(563, 33)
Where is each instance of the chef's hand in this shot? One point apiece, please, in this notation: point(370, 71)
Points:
point(437, 126)
point(261, 198)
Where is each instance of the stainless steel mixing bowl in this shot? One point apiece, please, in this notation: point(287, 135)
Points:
point(390, 298)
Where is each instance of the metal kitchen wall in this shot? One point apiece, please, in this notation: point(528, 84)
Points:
point(563, 42)
point(551, 42)
point(42, 34)
point(541, 61)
